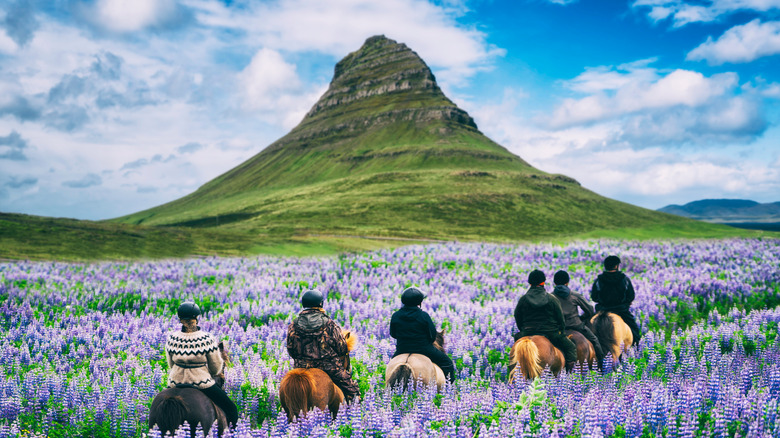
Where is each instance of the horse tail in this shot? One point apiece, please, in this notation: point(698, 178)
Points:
point(171, 414)
point(527, 358)
point(401, 374)
point(295, 390)
point(605, 332)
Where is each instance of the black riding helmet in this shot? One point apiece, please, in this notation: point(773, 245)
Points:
point(412, 296)
point(312, 298)
point(188, 310)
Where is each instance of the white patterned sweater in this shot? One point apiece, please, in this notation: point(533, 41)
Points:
point(193, 358)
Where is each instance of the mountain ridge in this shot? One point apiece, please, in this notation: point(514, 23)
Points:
point(727, 210)
point(384, 152)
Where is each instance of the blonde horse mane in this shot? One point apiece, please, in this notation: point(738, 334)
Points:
point(351, 339)
point(526, 357)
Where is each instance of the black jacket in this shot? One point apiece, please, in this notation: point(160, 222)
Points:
point(412, 328)
point(612, 290)
point(539, 312)
point(571, 302)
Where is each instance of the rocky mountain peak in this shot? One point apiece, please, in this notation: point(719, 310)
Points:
point(385, 71)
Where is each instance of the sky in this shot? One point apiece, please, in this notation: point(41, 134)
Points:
point(108, 107)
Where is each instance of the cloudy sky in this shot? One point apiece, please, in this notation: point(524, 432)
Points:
point(108, 107)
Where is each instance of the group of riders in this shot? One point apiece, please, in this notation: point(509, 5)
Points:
point(314, 340)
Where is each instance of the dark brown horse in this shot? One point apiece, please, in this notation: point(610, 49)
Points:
point(586, 354)
point(173, 406)
point(613, 334)
point(531, 354)
point(406, 368)
point(303, 389)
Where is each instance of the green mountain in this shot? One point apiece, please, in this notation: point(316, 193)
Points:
point(385, 153)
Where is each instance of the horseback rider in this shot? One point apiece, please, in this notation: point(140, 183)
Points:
point(613, 292)
point(571, 302)
point(539, 313)
point(315, 341)
point(194, 360)
point(415, 332)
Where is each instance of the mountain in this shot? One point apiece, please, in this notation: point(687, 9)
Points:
point(730, 211)
point(384, 153)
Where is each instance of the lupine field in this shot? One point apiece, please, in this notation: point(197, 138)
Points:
point(81, 345)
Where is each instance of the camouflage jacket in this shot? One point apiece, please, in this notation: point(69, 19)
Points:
point(314, 337)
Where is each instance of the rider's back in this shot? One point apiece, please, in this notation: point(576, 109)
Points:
point(412, 328)
point(193, 358)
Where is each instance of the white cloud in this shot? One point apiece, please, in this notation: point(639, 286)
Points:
point(742, 43)
point(683, 12)
point(129, 16)
point(337, 27)
point(650, 107)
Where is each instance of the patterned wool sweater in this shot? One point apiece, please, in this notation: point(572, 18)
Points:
point(193, 358)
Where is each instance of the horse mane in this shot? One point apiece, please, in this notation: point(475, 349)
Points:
point(527, 358)
point(294, 391)
point(402, 374)
point(351, 339)
point(604, 330)
point(172, 411)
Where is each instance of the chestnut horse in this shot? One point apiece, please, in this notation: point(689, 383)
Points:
point(173, 406)
point(531, 354)
point(409, 367)
point(303, 389)
point(613, 334)
point(586, 354)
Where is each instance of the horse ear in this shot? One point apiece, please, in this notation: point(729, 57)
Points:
point(443, 331)
point(347, 335)
point(221, 345)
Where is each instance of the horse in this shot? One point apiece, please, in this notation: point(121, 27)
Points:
point(613, 334)
point(586, 354)
point(303, 389)
point(532, 354)
point(173, 406)
point(409, 367)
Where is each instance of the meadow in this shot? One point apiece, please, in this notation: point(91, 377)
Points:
point(81, 345)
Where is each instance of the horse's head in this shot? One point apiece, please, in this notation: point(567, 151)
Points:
point(350, 338)
point(223, 351)
point(439, 342)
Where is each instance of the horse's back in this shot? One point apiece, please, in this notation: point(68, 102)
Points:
point(173, 406)
point(302, 389)
point(586, 354)
point(420, 367)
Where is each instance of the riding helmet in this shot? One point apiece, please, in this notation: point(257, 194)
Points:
point(312, 298)
point(536, 277)
point(412, 296)
point(188, 310)
point(561, 277)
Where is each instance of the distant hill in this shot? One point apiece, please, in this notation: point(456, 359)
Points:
point(385, 153)
point(736, 212)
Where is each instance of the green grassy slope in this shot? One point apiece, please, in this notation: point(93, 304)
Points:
point(385, 153)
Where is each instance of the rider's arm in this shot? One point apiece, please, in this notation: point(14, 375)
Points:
point(587, 309)
point(595, 292)
point(630, 294)
point(213, 357)
point(430, 325)
point(519, 316)
point(168, 357)
point(558, 314)
point(339, 344)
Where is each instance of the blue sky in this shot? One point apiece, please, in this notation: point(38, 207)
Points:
point(108, 107)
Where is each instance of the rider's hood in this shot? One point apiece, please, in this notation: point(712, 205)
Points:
point(537, 296)
point(311, 320)
point(612, 277)
point(562, 291)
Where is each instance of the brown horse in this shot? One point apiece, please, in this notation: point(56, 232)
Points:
point(613, 333)
point(303, 389)
point(409, 367)
point(532, 354)
point(586, 354)
point(173, 406)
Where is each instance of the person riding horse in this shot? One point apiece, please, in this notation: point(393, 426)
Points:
point(415, 332)
point(571, 302)
point(613, 292)
point(539, 313)
point(315, 341)
point(194, 360)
